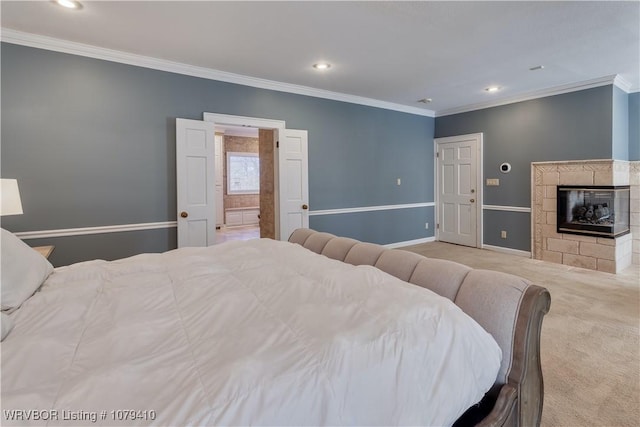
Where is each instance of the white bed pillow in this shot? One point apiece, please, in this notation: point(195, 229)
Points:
point(6, 324)
point(23, 271)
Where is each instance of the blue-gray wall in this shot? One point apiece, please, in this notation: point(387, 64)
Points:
point(516, 224)
point(382, 226)
point(620, 124)
point(571, 126)
point(634, 126)
point(92, 143)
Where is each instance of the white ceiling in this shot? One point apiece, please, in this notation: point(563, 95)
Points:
point(398, 52)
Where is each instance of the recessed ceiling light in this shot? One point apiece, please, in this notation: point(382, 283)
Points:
point(322, 66)
point(492, 88)
point(69, 4)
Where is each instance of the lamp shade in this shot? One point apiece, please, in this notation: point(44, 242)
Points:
point(10, 203)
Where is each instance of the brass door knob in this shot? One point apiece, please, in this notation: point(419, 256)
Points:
point(472, 200)
point(305, 207)
point(183, 214)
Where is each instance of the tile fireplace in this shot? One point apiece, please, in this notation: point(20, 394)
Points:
point(612, 251)
point(600, 211)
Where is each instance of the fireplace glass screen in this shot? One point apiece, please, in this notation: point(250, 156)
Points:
point(601, 211)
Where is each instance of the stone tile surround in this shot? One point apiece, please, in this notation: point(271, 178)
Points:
point(634, 181)
point(595, 253)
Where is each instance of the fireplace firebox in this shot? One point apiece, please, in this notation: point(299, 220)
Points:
point(601, 211)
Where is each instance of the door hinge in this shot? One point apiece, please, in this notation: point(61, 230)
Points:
point(277, 144)
point(438, 226)
point(437, 154)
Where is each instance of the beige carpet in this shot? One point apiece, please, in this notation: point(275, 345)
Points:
point(590, 338)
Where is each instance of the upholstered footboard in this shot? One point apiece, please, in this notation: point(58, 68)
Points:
point(508, 307)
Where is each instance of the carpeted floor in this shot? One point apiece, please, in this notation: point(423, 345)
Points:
point(590, 339)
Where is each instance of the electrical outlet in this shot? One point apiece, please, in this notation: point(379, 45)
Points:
point(493, 182)
point(426, 225)
point(503, 234)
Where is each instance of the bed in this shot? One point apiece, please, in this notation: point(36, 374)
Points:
point(248, 333)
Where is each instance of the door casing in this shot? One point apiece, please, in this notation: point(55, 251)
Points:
point(478, 138)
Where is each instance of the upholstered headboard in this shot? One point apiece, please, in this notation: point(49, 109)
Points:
point(508, 307)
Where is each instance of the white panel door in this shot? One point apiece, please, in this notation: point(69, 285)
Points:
point(195, 170)
point(293, 181)
point(458, 184)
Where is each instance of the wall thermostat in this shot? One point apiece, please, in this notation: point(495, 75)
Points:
point(505, 168)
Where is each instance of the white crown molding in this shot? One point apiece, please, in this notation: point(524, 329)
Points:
point(557, 90)
point(47, 234)
point(622, 83)
point(370, 209)
point(49, 43)
point(506, 208)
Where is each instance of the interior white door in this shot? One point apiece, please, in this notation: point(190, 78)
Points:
point(293, 182)
point(219, 165)
point(458, 189)
point(195, 170)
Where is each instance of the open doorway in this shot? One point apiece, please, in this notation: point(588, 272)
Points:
point(284, 205)
point(239, 167)
point(288, 199)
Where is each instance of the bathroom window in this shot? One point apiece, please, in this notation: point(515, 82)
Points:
point(243, 173)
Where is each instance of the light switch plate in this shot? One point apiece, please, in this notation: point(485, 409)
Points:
point(493, 182)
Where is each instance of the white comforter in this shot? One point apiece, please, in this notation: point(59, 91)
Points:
point(244, 333)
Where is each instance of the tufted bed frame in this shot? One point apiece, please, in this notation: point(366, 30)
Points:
point(508, 307)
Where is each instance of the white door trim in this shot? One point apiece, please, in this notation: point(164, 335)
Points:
point(254, 122)
point(479, 187)
point(258, 123)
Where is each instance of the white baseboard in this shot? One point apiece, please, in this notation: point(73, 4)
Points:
point(510, 251)
point(410, 242)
